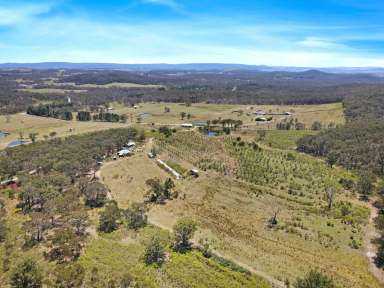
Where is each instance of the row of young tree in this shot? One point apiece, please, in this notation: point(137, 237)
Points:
point(109, 117)
point(357, 146)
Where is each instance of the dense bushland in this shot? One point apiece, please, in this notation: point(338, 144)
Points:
point(357, 145)
point(231, 87)
point(57, 187)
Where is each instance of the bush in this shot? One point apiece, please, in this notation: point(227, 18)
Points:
point(154, 251)
point(69, 275)
point(109, 218)
point(314, 279)
point(27, 274)
point(135, 216)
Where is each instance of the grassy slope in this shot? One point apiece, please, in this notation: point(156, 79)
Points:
point(126, 177)
point(120, 253)
point(234, 213)
point(282, 139)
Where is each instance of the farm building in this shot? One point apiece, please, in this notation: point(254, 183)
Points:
point(10, 183)
point(131, 144)
point(169, 169)
point(199, 123)
point(194, 172)
point(124, 153)
point(16, 143)
point(187, 125)
point(260, 112)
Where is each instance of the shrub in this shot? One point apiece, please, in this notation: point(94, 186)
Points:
point(314, 279)
point(154, 251)
point(27, 274)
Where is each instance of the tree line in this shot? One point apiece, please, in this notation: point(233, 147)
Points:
point(59, 111)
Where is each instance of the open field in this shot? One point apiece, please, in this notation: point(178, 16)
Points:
point(82, 88)
point(307, 114)
point(233, 211)
point(284, 139)
point(119, 85)
point(127, 178)
point(33, 124)
point(51, 90)
point(109, 85)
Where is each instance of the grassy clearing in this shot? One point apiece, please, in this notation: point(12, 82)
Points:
point(120, 85)
point(51, 90)
point(126, 178)
point(283, 139)
point(33, 124)
point(307, 114)
point(122, 252)
point(109, 85)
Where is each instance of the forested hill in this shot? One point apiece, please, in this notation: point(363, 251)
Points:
point(20, 88)
point(369, 108)
point(359, 144)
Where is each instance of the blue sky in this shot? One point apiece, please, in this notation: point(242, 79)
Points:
point(275, 32)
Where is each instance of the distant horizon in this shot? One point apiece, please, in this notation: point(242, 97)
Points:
point(187, 63)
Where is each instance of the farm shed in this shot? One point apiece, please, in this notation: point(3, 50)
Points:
point(131, 144)
point(10, 183)
point(194, 172)
point(187, 125)
point(199, 123)
point(124, 152)
point(260, 112)
point(169, 169)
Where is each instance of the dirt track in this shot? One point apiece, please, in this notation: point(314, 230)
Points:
point(370, 248)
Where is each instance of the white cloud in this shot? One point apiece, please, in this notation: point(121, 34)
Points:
point(315, 42)
point(11, 15)
point(168, 3)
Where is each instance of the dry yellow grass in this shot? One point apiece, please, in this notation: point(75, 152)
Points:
point(126, 177)
point(307, 114)
point(51, 90)
point(109, 85)
point(236, 221)
point(32, 124)
point(234, 215)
